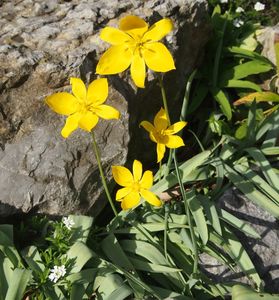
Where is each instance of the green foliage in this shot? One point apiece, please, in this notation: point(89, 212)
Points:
point(152, 253)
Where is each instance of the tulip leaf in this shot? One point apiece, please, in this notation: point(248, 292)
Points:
point(240, 292)
point(243, 70)
point(250, 191)
point(17, 284)
point(189, 172)
point(197, 212)
point(79, 253)
point(239, 224)
point(243, 84)
point(258, 97)
point(241, 256)
point(223, 101)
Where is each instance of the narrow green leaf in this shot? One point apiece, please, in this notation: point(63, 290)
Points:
point(244, 84)
point(224, 102)
point(79, 253)
point(239, 224)
point(250, 191)
point(33, 259)
point(270, 150)
point(81, 228)
point(189, 172)
point(17, 284)
point(117, 256)
point(243, 70)
point(241, 256)
point(258, 181)
point(121, 293)
point(142, 265)
point(258, 97)
point(168, 294)
point(77, 291)
point(211, 213)
point(240, 52)
point(240, 292)
point(265, 166)
point(270, 126)
point(197, 212)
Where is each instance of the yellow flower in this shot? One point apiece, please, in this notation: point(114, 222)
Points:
point(84, 107)
point(162, 133)
point(134, 186)
point(135, 44)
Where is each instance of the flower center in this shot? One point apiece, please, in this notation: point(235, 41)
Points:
point(136, 187)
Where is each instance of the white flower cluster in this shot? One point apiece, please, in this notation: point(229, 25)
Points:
point(259, 6)
point(56, 273)
point(68, 222)
point(238, 23)
point(239, 10)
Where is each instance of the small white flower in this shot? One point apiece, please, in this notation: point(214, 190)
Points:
point(56, 273)
point(224, 1)
point(239, 10)
point(259, 6)
point(68, 222)
point(237, 23)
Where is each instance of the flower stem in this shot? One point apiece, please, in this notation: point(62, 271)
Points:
point(97, 155)
point(167, 210)
point(164, 98)
point(189, 217)
point(165, 103)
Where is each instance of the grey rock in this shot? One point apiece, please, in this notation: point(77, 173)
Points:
point(42, 45)
point(268, 37)
point(263, 252)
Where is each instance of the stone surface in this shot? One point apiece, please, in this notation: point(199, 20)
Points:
point(268, 37)
point(263, 252)
point(43, 44)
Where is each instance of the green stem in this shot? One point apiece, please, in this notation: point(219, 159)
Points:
point(165, 103)
point(164, 98)
point(193, 236)
point(165, 230)
point(97, 155)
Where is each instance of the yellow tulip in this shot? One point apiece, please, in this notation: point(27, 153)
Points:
point(134, 185)
point(84, 106)
point(136, 45)
point(162, 133)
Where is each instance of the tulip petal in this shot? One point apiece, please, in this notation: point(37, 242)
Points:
point(147, 180)
point(161, 148)
point(150, 197)
point(147, 126)
point(121, 193)
point(88, 121)
point(176, 127)
point(138, 71)
point(70, 125)
point(174, 141)
point(131, 200)
point(158, 30)
point(62, 103)
point(107, 112)
point(114, 36)
point(137, 170)
point(78, 88)
point(122, 176)
point(115, 60)
point(161, 121)
point(157, 57)
point(97, 91)
point(131, 22)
